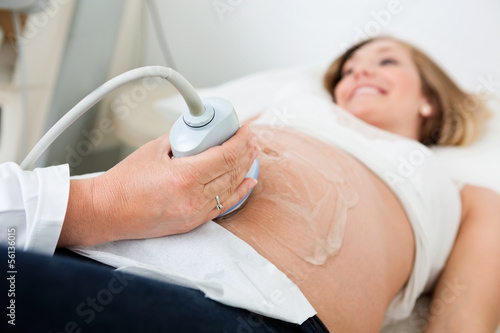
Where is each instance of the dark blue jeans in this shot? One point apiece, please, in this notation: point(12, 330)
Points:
point(64, 294)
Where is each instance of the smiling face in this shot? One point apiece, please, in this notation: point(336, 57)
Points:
point(380, 84)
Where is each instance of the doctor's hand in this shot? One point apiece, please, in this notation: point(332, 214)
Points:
point(149, 194)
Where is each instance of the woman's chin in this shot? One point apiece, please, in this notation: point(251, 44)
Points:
point(365, 115)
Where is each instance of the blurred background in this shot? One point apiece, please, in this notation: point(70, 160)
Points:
point(64, 49)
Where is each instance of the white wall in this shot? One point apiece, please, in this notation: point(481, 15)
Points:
point(213, 41)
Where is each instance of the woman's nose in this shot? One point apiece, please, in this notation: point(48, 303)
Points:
point(363, 70)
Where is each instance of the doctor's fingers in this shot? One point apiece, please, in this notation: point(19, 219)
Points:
point(228, 200)
point(236, 153)
point(227, 182)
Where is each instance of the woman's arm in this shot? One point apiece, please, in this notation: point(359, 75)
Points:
point(467, 296)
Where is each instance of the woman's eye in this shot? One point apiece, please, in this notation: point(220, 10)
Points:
point(347, 72)
point(388, 62)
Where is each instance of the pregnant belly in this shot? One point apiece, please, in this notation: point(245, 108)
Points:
point(305, 191)
point(307, 196)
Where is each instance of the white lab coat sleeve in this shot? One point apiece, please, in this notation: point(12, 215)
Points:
point(32, 206)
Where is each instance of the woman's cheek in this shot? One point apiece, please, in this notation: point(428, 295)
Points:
point(340, 94)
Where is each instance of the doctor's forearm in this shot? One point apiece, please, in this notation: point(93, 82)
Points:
point(81, 224)
point(96, 213)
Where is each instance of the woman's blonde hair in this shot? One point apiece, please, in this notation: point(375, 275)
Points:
point(458, 117)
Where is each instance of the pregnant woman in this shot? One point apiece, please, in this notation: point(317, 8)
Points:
point(337, 230)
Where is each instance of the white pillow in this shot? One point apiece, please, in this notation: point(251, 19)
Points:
point(477, 164)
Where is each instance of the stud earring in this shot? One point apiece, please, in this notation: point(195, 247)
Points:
point(425, 110)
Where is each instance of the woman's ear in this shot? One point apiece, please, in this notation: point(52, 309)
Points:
point(425, 110)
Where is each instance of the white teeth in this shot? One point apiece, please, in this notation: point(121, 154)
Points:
point(366, 90)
